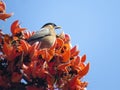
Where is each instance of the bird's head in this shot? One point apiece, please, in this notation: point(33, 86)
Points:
point(51, 24)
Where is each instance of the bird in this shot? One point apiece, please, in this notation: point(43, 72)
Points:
point(46, 35)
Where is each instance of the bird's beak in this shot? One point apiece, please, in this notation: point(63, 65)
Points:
point(58, 27)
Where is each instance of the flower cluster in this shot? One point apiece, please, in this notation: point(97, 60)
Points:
point(25, 66)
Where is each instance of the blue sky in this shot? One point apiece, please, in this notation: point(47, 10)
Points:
point(94, 25)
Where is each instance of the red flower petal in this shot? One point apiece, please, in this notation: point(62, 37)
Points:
point(4, 16)
point(14, 25)
point(83, 58)
point(7, 49)
point(74, 51)
point(66, 56)
point(2, 6)
point(84, 71)
point(25, 46)
point(59, 43)
point(15, 28)
point(63, 67)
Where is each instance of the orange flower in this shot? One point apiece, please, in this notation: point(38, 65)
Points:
point(10, 52)
point(31, 50)
point(76, 84)
point(15, 28)
point(83, 58)
point(25, 46)
point(2, 7)
point(78, 65)
point(3, 14)
point(64, 67)
point(75, 63)
point(74, 51)
point(84, 71)
point(7, 39)
point(63, 50)
point(59, 44)
point(45, 55)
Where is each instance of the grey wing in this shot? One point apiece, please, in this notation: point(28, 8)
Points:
point(39, 34)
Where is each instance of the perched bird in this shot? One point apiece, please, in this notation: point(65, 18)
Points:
point(46, 35)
